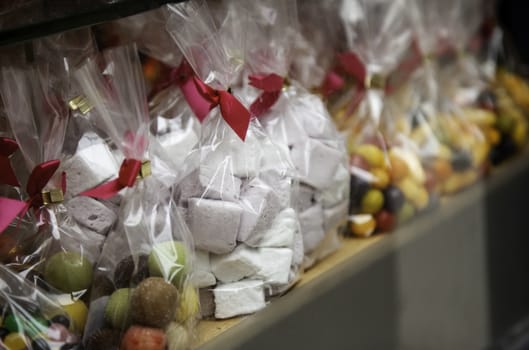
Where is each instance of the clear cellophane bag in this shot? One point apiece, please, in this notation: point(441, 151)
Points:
point(240, 187)
point(297, 121)
point(389, 183)
point(49, 248)
point(461, 156)
point(142, 282)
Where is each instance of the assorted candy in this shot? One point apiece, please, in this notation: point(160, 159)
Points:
point(127, 216)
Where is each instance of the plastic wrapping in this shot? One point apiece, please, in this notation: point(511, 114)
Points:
point(474, 90)
point(240, 187)
point(30, 317)
point(142, 292)
point(61, 54)
point(167, 75)
point(389, 183)
point(298, 122)
point(460, 157)
point(319, 38)
point(47, 246)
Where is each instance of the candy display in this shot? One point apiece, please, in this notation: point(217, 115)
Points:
point(147, 256)
point(238, 183)
point(213, 151)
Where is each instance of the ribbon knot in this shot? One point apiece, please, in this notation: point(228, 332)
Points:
point(352, 65)
point(232, 111)
point(7, 148)
point(271, 84)
point(129, 171)
point(38, 179)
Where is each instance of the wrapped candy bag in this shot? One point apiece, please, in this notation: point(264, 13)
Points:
point(50, 248)
point(481, 100)
point(31, 318)
point(142, 295)
point(388, 181)
point(240, 186)
point(460, 155)
point(297, 121)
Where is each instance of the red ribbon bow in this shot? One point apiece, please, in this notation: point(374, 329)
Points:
point(40, 176)
point(7, 148)
point(128, 173)
point(181, 76)
point(332, 83)
point(271, 84)
point(352, 65)
point(233, 112)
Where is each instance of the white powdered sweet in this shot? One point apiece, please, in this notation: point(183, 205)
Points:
point(242, 262)
point(92, 214)
point(214, 224)
point(239, 298)
point(89, 167)
point(311, 221)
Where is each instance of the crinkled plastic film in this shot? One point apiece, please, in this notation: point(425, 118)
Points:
point(319, 37)
point(239, 195)
point(48, 246)
point(459, 160)
point(389, 183)
point(34, 318)
point(142, 280)
point(300, 124)
point(482, 102)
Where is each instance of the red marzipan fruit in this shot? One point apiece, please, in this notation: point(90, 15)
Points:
point(143, 338)
point(385, 221)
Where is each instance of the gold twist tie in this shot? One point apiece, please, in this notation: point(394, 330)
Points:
point(145, 170)
point(80, 103)
point(375, 81)
point(52, 196)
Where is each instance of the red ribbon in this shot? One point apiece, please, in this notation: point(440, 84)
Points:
point(271, 84)
point(128, 173)
point(7, 148)
point(349, 63)
point(332, 83)
point(352, 65)
point(233, 112)
point(181, 76)
point(39, 177)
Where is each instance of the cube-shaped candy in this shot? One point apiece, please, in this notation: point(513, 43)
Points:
point(239, 298)
point(89, 167)
point(214, 224)
point(92, 214)
point(242, 262)
point(311, 221)
point(260, 206)
point(281, 232)
point(316, 162)
point(274, 265)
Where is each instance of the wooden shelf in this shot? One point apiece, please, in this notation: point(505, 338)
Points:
point(385, 291)
point(208, 329)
